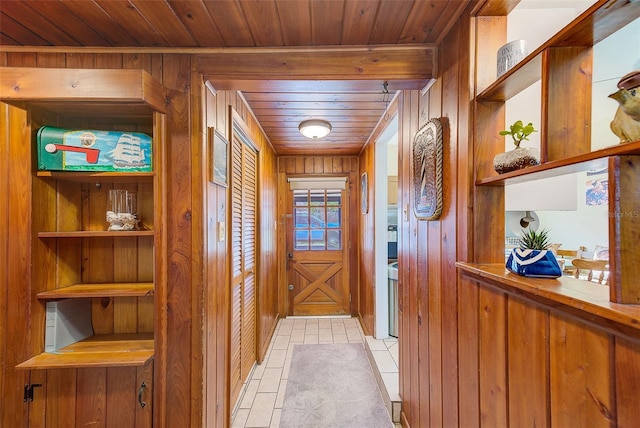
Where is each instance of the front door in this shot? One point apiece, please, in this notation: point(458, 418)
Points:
point(317, 246)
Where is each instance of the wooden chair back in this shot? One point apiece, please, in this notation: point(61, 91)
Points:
point(591, 266)
point(569, 255)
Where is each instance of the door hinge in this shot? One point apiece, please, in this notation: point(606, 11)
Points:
point(28, 391)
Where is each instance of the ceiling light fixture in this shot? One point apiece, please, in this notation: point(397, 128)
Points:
point(314, 128)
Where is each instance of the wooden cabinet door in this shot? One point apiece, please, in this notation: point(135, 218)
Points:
point(102, 397)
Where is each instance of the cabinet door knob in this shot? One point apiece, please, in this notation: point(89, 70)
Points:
point(142, 387)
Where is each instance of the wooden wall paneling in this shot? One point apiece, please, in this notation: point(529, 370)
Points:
point(627, 382)
point(80, 60)
point(4, 244)
point(581, 375)
point(527, 364)
point(111, 60)
point(493, 358)
point(180, 317)
point(51, 59)
point(61, 397)
point(198, 228)
point(468, 347)
point(366, 258)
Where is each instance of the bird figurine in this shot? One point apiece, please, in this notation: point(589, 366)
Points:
point(626, 122)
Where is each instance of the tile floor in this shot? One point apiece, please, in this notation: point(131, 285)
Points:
point(262, 396)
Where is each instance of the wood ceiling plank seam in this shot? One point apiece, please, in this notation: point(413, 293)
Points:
point(395, 14)
point(129, 18)
point(256, 13)
point(196, 18)
point(165, 22)
point(445, 21)
point(38, 23)
point(327, 19)
point(231, 24)
point(359, 17)
point(19, 32)
point(102, 23)
point(295, 22)
point(419, 22)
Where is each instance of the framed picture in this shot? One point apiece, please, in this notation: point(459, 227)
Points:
point(364, 193)
point(218, 158)
point(427, 171)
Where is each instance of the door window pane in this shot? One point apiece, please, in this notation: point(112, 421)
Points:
point(334, 240)
point(334, 217)
point(302, 240)
point(317, 240)
point(301, 216)
point(317, 219)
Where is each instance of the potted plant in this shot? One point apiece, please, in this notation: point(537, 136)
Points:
point(533, 257)
point(520, 157)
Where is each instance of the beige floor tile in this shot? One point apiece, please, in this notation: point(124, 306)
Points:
point(340, 338)
point(262, 410)
point(311, 329)
point(284, 330)
point(384, 361)
point(353, 334)
point(325, 336)
point(297, 336)
point(324, 323)
point(240, 418)
point(299, 324)
point(249, 394)
point(375, 344)
point(280, 396)
point(275, 419)
point(338, 329)
point(276, 358)
point(270, 380)
point(281, 342)
point(312, 321)
point(258, 370)
point(291, 348)
point(285, 369)
point(310, 339)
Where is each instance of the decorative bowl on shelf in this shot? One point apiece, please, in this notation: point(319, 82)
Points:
point(510, 54)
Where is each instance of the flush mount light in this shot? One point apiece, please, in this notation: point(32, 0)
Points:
point(314, 128)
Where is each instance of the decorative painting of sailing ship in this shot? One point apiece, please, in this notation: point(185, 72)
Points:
point(93, 150)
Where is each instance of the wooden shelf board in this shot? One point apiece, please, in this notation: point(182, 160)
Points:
point(584, 162)
point(83, 92)
point(590, 301)
point(592, 26)
point(106, 350)
point(111, 177)
point(96, 234)
point(130, 289)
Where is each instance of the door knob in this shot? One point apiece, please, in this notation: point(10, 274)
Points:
point(290, 255)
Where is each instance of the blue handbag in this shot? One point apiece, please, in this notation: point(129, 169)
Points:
point(534, 263)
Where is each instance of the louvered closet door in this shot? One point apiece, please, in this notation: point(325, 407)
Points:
point(243, 256)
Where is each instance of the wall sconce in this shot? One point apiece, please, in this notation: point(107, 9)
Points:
point(314, 128)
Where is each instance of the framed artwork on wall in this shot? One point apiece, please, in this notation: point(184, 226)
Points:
point(427, 171)
point(218, 158)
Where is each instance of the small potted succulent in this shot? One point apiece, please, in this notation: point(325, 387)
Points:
point(533, 256)
point(520, 157)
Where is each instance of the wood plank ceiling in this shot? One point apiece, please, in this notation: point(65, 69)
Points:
point(325, 59)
